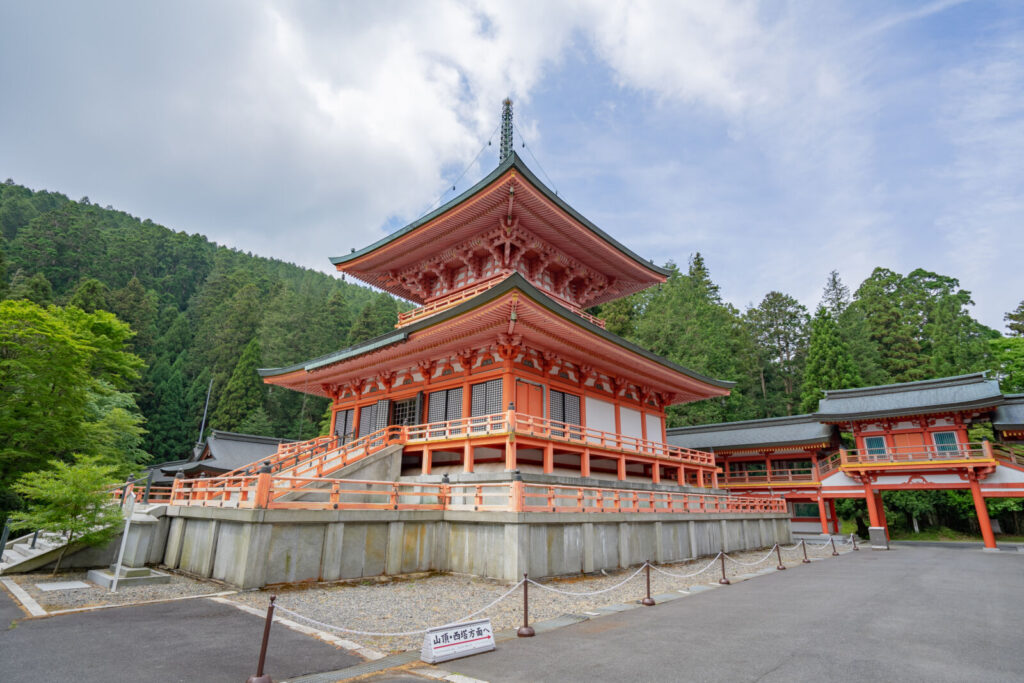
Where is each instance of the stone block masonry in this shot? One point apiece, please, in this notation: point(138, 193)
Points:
point(255, 548)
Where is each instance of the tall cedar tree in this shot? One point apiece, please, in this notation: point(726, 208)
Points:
point(890, 328)
point(779, 324)
point(829, 365)
point(244, 392)
point(686, 321)
point(1015, 320)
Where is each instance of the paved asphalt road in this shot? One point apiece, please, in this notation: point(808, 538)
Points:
point(189, 640)
point(909, 614)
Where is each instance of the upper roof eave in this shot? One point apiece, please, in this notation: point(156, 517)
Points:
point(513, 161)
point(513, 281)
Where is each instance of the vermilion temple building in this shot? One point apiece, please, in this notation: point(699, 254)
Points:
point(502, 275)
point(911, 436)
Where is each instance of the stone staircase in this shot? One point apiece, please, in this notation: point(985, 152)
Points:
point(19, 555)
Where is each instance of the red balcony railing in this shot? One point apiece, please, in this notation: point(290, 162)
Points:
point(313, 493)
point(925, 453)
point(769, 476)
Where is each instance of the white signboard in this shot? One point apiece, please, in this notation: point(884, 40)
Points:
point(457, 640)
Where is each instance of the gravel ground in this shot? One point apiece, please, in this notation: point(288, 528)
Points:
point(94, 596)
point(419, 603)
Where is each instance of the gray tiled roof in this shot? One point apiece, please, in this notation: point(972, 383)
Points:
point(798, 430)
point(228, 451)
point(1010, 415)
point(911, 398)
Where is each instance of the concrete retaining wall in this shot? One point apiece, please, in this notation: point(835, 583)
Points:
point(253, 548)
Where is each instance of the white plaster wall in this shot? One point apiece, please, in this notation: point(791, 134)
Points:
point(630, 421)
point(653, 427)
point(600, 414)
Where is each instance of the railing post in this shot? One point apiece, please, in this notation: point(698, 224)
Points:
point(778, 554)
point(724, 581)
point(986, 449)
point(263, 485)
point(516, 501)
point(149, 485)
point(648, 601)
point(176, 494)
point(843, 456)
point(803, 543)
point(835, 552)
point(260, 677)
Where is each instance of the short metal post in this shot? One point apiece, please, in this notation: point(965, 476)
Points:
point(835, 552)
point(35, 537)
point(803, 542)
point(648, 601)
point(724, 581)
point(853, 537)
point(526, 631)
point(778, 553)
point(260, 677)
point(149, 485)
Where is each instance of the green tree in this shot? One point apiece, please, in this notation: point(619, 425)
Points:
point(72, 500)
point(890, 328)
point(90, 295)
point(61, 375)
point(169, 423)
point(1007, 363)
point(686, 321)
point(836, 295)
point(829, 365)
point(1015, 320)
point(35, 288)
point(365, 326)
point(257, 422)
point(244, 393)
point(780, 326)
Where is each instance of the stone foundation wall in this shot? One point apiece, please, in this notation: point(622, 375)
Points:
point(254, 548)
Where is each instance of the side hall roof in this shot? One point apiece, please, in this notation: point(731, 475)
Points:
point(796, 430)
point(1009, 417)
point(962, 392)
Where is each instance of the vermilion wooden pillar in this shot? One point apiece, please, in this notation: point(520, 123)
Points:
point(983, 519)
point(881, 513)
point(585, 463)
point(869, 498)
point(832, 513)
point(822, 515)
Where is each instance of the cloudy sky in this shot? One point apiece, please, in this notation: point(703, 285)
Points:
point(781, 140)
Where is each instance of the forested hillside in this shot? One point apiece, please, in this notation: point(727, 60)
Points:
point(199, 312)
point(76, 379)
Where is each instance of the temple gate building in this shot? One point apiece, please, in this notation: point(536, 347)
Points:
point(910, 436)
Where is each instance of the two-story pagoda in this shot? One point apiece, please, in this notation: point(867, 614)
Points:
point(501, 368)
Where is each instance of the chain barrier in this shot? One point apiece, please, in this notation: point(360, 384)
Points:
point(603, 590)
point(688, 576)
point(333, 627)
point(749, 564)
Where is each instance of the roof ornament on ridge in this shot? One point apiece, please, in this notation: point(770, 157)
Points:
point(506, 130)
